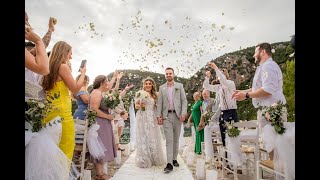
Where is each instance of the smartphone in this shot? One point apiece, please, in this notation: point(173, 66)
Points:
point(83, 62)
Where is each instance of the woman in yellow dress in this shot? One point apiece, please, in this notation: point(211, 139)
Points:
point(58, 83)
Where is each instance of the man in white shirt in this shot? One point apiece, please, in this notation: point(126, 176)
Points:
point(224, 90)
point(267, 83)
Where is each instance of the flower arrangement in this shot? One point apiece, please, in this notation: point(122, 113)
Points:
point(141, 95)
point(37, 109)
point(91, 116)
point(206, 117)
point(110, 99)
point(273, 114)
point(232, 131)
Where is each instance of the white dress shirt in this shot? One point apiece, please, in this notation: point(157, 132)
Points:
point(224, 90)
point(268, 76)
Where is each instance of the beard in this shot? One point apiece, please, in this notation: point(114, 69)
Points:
point(169, 79)
point(258, 60)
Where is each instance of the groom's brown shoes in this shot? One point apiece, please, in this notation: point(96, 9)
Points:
point(168, 168)
point(175, 163)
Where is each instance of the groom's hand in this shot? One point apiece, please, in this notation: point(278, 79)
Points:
point(182, 117)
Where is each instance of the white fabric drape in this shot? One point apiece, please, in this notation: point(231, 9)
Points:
point(283, 146)
point(132, 125)
point(95, 145)
point(43, 157)
point(208, 143)
point(181, 139)
point(233, 145)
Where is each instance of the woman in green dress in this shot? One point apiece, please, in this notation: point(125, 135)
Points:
point(195, 116)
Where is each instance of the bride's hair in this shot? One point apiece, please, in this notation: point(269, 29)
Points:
point(153, 91)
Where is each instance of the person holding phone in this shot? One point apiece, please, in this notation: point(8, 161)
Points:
point(82, 98)
point(60, 81)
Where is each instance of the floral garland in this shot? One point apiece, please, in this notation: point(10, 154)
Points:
point(273, 114)
point(91, 116)
point(232, 131)
point(37, 110)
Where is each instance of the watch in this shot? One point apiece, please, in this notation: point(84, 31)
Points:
point(247, 96)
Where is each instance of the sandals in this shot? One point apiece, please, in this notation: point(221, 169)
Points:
point(103, 176)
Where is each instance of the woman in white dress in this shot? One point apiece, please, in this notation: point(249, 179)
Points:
point(148, 135)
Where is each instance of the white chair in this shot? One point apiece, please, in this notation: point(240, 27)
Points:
point(81, 127)
point(266, 165)
point(249, 144)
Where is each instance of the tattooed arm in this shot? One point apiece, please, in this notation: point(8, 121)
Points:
point(46, 38)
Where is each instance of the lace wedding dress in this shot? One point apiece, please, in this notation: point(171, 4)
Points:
point(148, 137)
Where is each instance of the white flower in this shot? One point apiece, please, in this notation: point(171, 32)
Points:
point(229, 127)
point(41, 105)
point(274, 104)
point(273, 51)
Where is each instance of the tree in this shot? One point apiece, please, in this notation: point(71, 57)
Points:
point(289, 89)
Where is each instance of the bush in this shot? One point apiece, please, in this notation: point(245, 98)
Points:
point(289, 89)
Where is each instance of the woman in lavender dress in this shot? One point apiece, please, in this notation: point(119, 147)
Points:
point(101, 84)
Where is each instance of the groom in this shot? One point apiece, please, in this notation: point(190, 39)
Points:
point(171, 112)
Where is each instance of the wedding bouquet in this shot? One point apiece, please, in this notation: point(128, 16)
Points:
point(141, 95)
point(91, 116)
point(110, 99)
point(37, 109)
point(232, 131)
point(206, 117)
point(273, 114)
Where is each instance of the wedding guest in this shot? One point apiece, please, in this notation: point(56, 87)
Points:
point(82, 98)
point(224, 90)
point(267, 83)
point(37, 70)
point(58, 83)
point(198, 125)
point(104, 119)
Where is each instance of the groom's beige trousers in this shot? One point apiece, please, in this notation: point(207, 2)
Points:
point(172, 128)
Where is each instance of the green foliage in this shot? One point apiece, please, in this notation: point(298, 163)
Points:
point(274, 115)
point(232, 131)
point(289, 89)
point(91, 116)
point(38, 109)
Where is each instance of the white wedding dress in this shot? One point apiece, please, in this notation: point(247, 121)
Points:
point(149, 149)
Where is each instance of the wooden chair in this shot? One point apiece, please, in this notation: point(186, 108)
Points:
point(266, 165)
point(81, 138)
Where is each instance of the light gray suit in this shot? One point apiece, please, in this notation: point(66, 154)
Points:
point(171, 122)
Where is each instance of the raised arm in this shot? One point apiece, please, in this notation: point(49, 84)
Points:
point(207, 85)
point(47, 37)
point(40, 63)
point(115, 74)
point(222, 78)
point(66, 76)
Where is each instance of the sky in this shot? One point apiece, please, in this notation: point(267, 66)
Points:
point(151, 35)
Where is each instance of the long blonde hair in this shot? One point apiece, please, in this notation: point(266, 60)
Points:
point(58, 56)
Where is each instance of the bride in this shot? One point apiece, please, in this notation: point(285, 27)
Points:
point(148, 135)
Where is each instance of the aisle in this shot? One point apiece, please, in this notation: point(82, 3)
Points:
point(129, 171)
